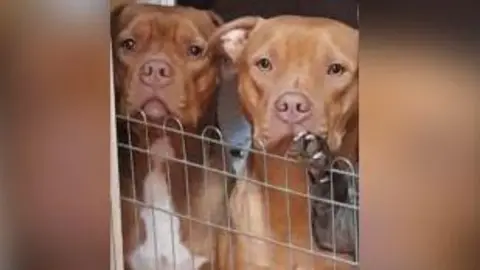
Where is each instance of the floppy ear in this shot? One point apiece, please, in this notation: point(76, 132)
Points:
point(232, 37)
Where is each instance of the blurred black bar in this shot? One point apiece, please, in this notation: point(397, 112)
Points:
point(201, 4)
point(342, 10)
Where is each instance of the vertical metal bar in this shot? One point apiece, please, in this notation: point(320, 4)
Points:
point(310, 197)
point(150, 169)
point(355, 211)
point(332, 199)
point(289, 217)
point(172, 229)
point(229, 223)
point(169, 187)
point(206, 166)
point(205, 179)
point(187, 185)
point(116, 251)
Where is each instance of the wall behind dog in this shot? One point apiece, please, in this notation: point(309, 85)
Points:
point(343, 10)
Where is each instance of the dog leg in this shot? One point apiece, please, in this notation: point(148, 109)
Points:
point(326, 217)
point(313, 150)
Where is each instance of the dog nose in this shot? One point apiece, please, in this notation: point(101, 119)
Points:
point(293, 108)
point(156, 73)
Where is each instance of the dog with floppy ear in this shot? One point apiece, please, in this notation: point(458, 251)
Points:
point(163, 70)
point(295, 74)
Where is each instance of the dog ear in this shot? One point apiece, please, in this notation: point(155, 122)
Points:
point(343, 123)
point(231, 38)
point(206, 21)
point(216, 19)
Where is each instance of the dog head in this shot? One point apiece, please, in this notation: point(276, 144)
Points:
point(295, 74)
point(161, 63)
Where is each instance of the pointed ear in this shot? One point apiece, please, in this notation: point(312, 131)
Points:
point(230, 39)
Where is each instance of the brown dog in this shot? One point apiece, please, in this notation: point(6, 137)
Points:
point(295, 74)
point(163, 69)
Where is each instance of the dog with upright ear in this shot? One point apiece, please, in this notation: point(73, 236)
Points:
point(230, 39)
point(295, 74)
point(340, 103)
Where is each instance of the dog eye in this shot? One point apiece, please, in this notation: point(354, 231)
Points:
point(128, 44)
point(336, 69)
point(195, 50)
point(264, 64)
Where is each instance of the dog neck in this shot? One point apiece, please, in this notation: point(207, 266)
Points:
point(349, 147)
point(136, 134)
point(193, 145)
point(282, 174)
point(270, 158)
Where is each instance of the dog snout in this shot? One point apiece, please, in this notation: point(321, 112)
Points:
point(293, 107)
point(156, 73)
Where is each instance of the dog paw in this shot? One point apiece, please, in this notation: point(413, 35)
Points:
point(313, 150)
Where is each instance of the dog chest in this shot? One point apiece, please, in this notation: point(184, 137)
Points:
point(162, 248)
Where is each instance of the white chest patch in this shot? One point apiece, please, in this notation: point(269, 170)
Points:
point(162, 249)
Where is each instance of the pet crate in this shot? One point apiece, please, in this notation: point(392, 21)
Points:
point(117, 256)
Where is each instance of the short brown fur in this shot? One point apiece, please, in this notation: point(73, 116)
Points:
point(300, 49)
point(157, 30)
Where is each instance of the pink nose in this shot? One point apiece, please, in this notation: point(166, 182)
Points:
point(156, 73)
point(293, 107)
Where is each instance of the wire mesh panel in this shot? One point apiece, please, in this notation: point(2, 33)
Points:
point(116, 251)
point(332, 198)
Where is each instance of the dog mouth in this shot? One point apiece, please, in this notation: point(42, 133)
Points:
point(155, 108)
point(294, 129)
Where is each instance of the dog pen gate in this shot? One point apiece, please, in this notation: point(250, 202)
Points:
point(349, 171)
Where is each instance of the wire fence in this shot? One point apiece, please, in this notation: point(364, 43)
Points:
point(332, 200)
